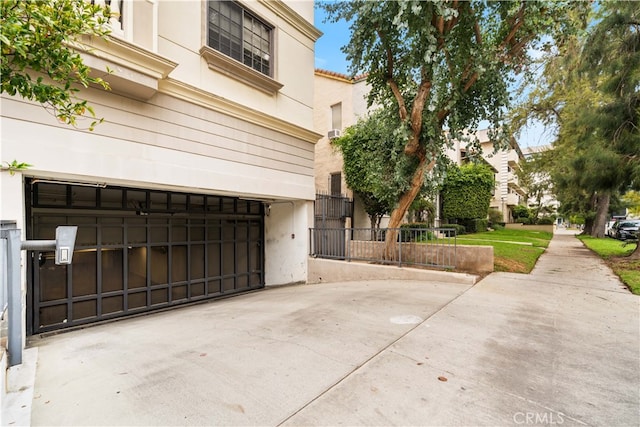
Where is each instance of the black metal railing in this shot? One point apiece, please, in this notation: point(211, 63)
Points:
point(427, 247)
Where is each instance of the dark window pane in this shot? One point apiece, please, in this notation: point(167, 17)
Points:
point(159, 265)
point(178, 263)
point(255, 257)
point(53, 278)
point(214, 204)
point(228, 259)
point(213, 260)
point(159, 234)
point(242, 282)
point(158, 201)
point(113, 304)
point(137, 259)
point(228, 206)
point(197, 262)
point(84, 309)
point(111, 198)
point(228, 284)
point(179, 231)
point(228, 232)
point(87, 236)
point(83, 196)
point(84, 273)
point(196, 203)
point(51, 194)
point(159, 296)
point(242, 251)
point(214, 287)
point(112, 235)
point(213, 231)
point(52, 315)
point(179, 202)
point(137, 200)
point(137, 300)
point(178, 293)
point(197, 233)
point(225, 23)
point(112, 270)
point(197, 289)
point(137, 235)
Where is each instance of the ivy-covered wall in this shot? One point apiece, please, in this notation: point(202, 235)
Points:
point(466, 192)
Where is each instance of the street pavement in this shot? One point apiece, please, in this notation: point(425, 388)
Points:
point(559, 346)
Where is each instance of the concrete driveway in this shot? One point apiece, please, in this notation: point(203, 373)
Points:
point(560, 346)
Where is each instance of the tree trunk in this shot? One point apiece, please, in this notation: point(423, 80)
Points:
point(601, 214)
point(588, 226)
point(635, 255)
point(403, 205)
point(588, 221)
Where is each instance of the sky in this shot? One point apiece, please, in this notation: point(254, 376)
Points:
point(329, 57)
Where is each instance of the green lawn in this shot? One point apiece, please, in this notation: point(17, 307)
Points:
point(514, 251)
point(615, 254)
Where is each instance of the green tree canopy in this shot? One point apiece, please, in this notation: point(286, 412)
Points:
point(38, 61)
point(589, 88)
point(443, 66)
point(373, 162)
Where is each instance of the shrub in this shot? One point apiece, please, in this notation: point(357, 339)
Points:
point(475, 225)
point(459, 229)
point(409, 233)
point(466, 192)
point(521, 211)
point(495, 216)
point(545, 220)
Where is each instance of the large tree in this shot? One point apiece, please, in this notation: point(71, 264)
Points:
point(589, 89)
point(443, 68)
point(38, 60)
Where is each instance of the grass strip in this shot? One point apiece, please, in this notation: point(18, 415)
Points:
point(616, 255)
point(509, 253)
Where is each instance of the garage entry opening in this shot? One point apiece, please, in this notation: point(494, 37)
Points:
point(137, 250)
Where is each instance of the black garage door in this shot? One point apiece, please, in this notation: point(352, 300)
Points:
point(138, 250)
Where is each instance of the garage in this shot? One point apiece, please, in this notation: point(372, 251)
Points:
point(137, 250)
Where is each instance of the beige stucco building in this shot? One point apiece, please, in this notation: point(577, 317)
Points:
point(340, 100)
point(200, 181)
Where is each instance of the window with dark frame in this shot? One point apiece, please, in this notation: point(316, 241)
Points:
point(238, 34)
point(336, 183)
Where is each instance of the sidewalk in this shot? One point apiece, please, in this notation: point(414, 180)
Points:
point(558, 346)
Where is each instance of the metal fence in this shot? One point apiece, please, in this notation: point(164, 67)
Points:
point(428, 247)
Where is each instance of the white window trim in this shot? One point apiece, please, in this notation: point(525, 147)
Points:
point(237, 70)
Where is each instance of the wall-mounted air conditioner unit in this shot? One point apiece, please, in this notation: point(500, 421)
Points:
point(334, 133)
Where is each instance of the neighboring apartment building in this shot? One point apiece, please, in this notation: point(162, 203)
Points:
point(507, 193)
point(548, 200)
point(200, 181)
point(339, 101)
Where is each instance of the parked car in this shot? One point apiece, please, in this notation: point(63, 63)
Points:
point(626, 229)
point(608, 228)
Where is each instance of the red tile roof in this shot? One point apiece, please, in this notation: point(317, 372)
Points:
point(341, 76)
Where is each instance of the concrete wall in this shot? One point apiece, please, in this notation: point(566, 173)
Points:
point(327, 271)
point(474, 259)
